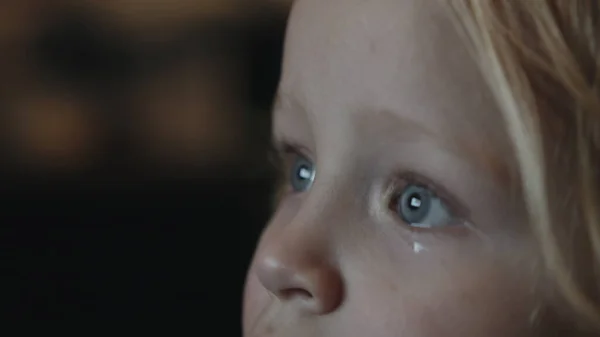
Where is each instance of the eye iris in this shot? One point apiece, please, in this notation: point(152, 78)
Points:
point(303, 175)
point(414, 204)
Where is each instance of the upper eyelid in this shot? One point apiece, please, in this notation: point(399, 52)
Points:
point(286, 146)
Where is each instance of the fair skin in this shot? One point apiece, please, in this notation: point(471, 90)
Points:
point(382, 102)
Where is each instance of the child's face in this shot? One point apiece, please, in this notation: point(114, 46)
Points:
point(411, 226)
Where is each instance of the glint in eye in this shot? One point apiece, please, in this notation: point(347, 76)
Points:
point(302, 174)
point(419, 207)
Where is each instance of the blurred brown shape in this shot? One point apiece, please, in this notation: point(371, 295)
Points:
point(20, 22)
point(20, 19)
point(158, 18)
point(189, 113)
point(167, 79)
point(54, 129)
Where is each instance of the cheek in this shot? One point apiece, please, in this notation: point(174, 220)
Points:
point(464, 298)
point(474, 306)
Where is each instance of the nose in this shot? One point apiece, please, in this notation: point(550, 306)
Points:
point(297, 271)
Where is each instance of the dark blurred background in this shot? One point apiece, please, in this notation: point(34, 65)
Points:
point(133, 140)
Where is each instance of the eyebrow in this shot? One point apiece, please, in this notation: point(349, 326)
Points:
point(290, 105)
point(286, 102)
point(483, 157)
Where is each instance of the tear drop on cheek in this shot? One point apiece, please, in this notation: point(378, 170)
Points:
point(418, 248)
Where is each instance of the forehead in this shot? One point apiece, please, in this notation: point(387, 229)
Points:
point(364, 43)
point(346, 59)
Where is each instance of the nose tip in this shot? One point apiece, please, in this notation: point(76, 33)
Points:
point(314, 288)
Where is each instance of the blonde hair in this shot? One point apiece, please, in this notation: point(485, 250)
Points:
point(541, 58)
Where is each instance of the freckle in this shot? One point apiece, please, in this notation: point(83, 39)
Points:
point(372, 47)
point(393, 287)
point(269, 330)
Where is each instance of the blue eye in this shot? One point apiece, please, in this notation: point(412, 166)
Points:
point(302, 174)
point(419, 207)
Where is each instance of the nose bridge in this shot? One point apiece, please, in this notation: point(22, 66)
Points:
point(332, 200)
point(322, 210)
point(306, 234)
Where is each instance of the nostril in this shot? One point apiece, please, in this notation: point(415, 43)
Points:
point(295, 292)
